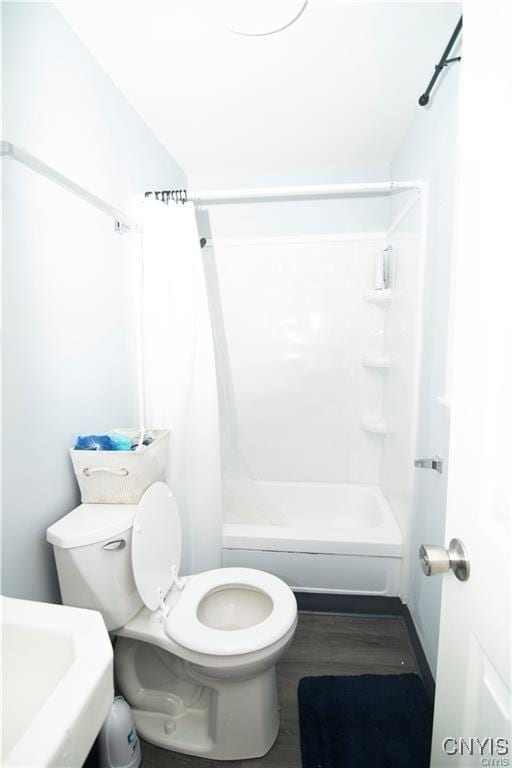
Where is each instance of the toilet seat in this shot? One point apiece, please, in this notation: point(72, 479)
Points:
point(156, 545)
point(185, 628)
point(156, 555)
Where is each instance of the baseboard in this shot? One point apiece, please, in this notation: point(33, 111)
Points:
point(419, 653)
point(366, 605)
point(371, 605)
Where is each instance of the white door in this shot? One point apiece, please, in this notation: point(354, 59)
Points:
point(473, 696)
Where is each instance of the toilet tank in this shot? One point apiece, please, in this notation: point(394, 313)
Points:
point(92, 548)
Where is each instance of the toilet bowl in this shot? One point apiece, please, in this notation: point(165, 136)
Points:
point(194, 656)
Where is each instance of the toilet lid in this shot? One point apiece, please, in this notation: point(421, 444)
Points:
point(156, 543)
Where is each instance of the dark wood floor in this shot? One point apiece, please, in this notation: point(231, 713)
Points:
point(323, 645)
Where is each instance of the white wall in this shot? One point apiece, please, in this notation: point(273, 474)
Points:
point(69, 363)
point(428, 151)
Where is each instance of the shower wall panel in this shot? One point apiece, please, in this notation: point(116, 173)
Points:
point(400, 397)
point(296, 327)
point(401, 383)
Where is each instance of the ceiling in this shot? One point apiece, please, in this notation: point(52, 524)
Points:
point(331, 93)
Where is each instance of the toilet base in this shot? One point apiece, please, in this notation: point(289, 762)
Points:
point(178, 707)
point(234, 738)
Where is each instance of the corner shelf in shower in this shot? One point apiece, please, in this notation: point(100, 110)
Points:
point(381, 362)
point(374, 425)
point(383, 299)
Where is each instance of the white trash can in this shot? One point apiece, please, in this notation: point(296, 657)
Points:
point(118, 743)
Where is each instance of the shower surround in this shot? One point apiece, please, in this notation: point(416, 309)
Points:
point(317, 375)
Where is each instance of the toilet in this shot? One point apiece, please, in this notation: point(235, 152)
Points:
point(194, 656)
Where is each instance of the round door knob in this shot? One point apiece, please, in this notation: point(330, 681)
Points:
point(435, 560)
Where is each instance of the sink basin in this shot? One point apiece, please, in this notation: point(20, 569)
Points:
point(57, 683)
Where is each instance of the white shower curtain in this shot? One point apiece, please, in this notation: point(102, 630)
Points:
point(179, 375)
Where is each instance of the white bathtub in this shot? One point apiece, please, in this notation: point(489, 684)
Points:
point(326, 537)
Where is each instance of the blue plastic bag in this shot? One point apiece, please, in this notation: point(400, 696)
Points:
point(121, 442)
point(95, 443)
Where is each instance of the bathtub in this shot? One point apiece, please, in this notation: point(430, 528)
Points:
point(320, 537)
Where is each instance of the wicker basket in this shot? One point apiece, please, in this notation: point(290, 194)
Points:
point(121, 477)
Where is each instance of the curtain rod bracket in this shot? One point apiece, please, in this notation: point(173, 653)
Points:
point(122, 229)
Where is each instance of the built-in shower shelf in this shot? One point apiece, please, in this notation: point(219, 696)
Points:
point(374, 425)
point(381, 362)
point(383, 298)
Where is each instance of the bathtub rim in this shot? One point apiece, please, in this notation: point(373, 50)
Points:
point(384, 540)
point(326, 541)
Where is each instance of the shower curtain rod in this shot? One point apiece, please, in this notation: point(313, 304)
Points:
point(319, 190)
point(443, 62)
point(122, 223)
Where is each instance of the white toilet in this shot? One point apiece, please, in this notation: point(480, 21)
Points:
point(194, 657)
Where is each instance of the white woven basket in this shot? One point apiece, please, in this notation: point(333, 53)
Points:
point(121, 477)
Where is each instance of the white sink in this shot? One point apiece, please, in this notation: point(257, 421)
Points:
point(57, 683)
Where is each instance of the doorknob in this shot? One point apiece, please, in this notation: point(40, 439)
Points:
point(436, 560)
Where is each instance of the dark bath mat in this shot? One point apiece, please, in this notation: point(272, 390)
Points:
point(382, 721)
